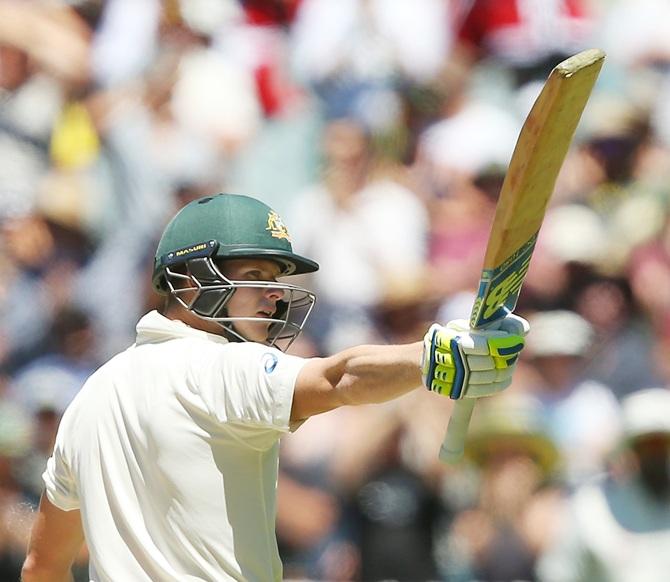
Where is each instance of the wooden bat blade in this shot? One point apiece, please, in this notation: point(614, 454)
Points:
point(543, 143)
point(529, 183)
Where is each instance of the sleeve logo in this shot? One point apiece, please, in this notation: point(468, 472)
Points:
point(269, 363)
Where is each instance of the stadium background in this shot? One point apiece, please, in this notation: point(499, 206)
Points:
point(380, 130)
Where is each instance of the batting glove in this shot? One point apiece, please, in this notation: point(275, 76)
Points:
point(460, 362)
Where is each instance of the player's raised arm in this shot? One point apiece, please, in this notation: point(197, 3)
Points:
point(452, 360)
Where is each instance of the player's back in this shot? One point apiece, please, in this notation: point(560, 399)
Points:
point(170, 456)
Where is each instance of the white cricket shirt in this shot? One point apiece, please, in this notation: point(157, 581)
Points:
point(170, 451)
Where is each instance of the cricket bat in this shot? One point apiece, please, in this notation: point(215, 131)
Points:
point(529, 183)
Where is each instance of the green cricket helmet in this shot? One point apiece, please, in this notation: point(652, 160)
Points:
point(229, 226)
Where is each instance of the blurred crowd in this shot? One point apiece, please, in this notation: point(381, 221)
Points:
point(381, 131)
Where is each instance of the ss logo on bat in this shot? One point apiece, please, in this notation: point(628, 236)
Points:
point(498, 295)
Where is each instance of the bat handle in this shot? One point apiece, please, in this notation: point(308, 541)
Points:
point(453, 446)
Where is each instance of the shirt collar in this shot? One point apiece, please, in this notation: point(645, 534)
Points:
point(154, 327)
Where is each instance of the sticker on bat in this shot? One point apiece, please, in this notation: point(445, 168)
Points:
point(499, 288)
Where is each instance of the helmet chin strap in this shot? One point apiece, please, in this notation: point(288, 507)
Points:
point(231, 334)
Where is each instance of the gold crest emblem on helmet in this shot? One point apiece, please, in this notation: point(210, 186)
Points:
point(276, 226)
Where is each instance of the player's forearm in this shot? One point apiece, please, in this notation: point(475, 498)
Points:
point(360, 375)
point(369, 374)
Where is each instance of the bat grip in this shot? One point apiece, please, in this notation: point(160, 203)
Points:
point(453, 446)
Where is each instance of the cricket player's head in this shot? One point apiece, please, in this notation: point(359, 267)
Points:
point(222, 258)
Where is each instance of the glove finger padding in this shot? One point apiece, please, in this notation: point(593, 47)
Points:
point(464, 363)
point(483, 390)
point(442, 364)
point(490, 376)
point(481, 363)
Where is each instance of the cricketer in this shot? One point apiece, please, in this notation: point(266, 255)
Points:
point(166, 461)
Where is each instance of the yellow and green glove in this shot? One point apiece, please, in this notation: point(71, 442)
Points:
point(460, 362)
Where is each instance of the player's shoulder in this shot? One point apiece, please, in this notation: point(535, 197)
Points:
point(250, 356)
point(249, 351)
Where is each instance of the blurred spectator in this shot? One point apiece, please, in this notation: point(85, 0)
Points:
point(512, 519)
point(369, 485)
point(528, 37)
point(581, 415)
point(622, 354)
point(113, 114)
point(29, 474)
point(45, 257)
point(15, 512)
point(476, 138)
point(44, 49)
point(357, 54)
point(314, 529)
point(45, 386)
point(54, 378)
point(367, 231)
point(661, 353)
point(202, 102)
point(572, 240)
point(460, 222)
point(618, 528)
point(137, 21)
point(280, 160)
point(626, 175)
point(641, 26)
point(460, 162)
point(29, 246)
point(649, 275)
point(397, 515)
point(312, 540)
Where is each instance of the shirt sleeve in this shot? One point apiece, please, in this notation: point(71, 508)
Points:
point(252, 385)
point(61, 488)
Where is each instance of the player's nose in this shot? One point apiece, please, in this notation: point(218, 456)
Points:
point(274, 294)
